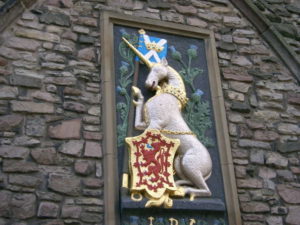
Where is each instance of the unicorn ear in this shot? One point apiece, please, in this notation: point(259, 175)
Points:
point(164, 61)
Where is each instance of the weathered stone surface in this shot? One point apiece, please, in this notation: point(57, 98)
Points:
point(9, 53)
point(24, 78)
point(44, 156)
point(85, 39)
point(257, 157)
point(240, 107)
point(289, 147)
point(23, 44)
point(5, 198)
point(92, 149)
point(159, 4)
point(71, 211)
point(74, 106)
point(258, 73)
point(94, 111)
point(265, 135)
point(274, 220)
point(26, 141)
point(241, 61)
point(289, 194)
point(293, 216)
point(38, 35)
point(24, 180)
point(84, 167)
point(266, 173)
point(66, 130)
point(255, 144)
point(275, 159)
point(64, 81)
point(91, 217)
point(285, 175)
point(93, 183)
point(72, 148)
point(172, 17)
point(8, 92)
point(23, 206)
point(255, 207)
point(13, 152)
point(55, 18)
point(196, 22)
point(287, 128)
point(187, 10)
point(10, 122)
point(279, 210)
point(87, 54)
point(19, 166)
point(49, 196)
point(266, 115)
point(92, 135)
point(32, 107)
point(64, 184)
point(48, 209)
point(35, 126)
point(225, 46)
point(249, 183)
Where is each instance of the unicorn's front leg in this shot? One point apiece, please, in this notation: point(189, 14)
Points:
point(139, 104)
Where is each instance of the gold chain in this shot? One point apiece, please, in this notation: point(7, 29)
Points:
point(177, 132)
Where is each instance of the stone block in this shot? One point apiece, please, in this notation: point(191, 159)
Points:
point(64, 81)
point(72, 148)
point(23, 44)
point(94, 111)
point(64, 184)
point(49, 196)
point(7, 92)
point(45, 156)
point(91, 217)
point(32, 107)
point(241, 61)
point(24, 180)
point(87, 54)
point(13, 152)
point(9, 53)
point(210, 16)
point(274, 220)
point(38, 35)
point(265, 135)
point(23, 206)
point(21, 79)
point(172, 17)
point(92, 149)
point(266, 173)
point(249, 183)
point(71, 211)
point(293, 216)
point(247, 143)
point(10, 122)
point(186, 10)
point(55, 18)
point(66, 130)
point(93, 183)
point(289, 194)
point(35, 126)
point(5, 198)
point(288, 128)
point(74, 106)
point(11, 165)
point(84, 167)
point(276, 160)
point(48, 209)
point(255, 207)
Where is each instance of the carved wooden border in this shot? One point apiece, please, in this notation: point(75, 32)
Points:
point(111, 179)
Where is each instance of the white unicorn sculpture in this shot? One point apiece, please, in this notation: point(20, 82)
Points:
point(192, 163)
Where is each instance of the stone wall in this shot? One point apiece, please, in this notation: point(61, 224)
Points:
point(50, 106)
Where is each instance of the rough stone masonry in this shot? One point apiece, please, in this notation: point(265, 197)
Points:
point(50, 106)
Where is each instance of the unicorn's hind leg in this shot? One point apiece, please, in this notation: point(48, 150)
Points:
point(192, 169)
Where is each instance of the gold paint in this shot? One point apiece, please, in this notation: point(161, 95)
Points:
point(192, 221)
point(134, 198)
point(179, 93)
point(162, 195)
point(142, 31)
point(125, 180)
point(192, 197)
point(177, 132)
point(151, 218)
point(139, 54)
point(173, 220)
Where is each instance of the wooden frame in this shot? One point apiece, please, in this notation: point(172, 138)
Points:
point(111, 179)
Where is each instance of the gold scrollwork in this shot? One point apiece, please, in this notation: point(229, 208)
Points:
point(136, 196)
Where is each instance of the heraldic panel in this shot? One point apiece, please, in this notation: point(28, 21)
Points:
point(168, 155)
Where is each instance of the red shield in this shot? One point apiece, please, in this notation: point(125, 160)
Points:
point(151, 163)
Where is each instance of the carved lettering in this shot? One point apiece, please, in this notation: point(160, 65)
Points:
point(151, 220)
point(173, 221)
point(192, 221)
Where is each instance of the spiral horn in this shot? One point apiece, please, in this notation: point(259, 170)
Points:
point(139, 54)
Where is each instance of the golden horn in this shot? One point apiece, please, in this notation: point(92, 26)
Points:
point(139, 54)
